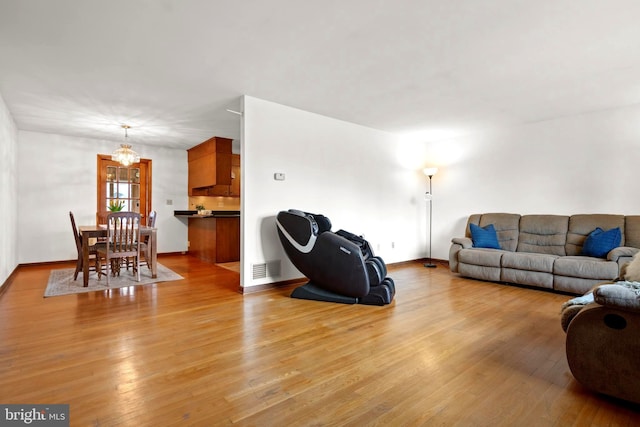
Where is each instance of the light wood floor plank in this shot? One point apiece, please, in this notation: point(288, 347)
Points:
point(448, 351)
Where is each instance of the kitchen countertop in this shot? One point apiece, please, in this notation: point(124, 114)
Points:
point(214, 214)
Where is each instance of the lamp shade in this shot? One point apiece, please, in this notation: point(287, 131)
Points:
point(430, 171)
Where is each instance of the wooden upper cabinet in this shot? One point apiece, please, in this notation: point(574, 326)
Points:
point(210, 167)
point(235, 175)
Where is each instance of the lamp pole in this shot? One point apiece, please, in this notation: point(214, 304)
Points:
point(429, 196)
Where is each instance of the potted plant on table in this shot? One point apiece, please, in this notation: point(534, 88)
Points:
point(115, 205)
point(200, 209)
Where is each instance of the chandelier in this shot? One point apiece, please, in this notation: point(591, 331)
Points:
point(124, 154)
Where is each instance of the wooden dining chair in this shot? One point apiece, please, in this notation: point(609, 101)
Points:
point(123, 242)
point(101, 217)
point(93, 249)
point(146, 246)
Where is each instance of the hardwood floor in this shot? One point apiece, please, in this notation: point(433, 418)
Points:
point(448, 351)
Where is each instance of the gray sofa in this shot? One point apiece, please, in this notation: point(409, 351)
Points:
point(545, 250)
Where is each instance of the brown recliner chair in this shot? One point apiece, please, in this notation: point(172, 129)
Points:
point(603, 339)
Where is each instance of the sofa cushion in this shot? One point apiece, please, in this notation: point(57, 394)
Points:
point(481, 257)
point(580, 226)
point(528, 261)
point(632, 231)
point(528, 269)
point(599, 242)
point(585, 268)
point(506, 225)
point(544, 234)
point(529, 278)
point(484, 237)
point(490, 274)
point(575, 285)
point(483, 264)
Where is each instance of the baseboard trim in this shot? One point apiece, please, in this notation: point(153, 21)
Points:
point(273, 285)
point(172, 254)
point(7, 283)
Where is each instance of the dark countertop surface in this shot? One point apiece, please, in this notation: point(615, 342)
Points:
point(214, 214)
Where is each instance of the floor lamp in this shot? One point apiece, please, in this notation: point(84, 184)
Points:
point(429, 197)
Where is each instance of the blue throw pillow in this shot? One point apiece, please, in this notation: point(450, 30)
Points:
point(598, 243)
point(484, 237)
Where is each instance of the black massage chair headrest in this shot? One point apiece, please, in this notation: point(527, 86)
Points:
point(302, 226)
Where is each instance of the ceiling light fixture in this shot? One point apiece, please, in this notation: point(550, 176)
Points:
point(125, 155)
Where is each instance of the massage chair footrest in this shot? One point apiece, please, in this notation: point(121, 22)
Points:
point(378, 295)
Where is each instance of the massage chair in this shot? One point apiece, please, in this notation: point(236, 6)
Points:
point(340, 266)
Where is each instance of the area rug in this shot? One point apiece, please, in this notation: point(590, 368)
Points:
point(61, 281)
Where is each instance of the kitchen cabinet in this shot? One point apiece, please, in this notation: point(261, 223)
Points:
point(210, 167)
point(235, 176)
point(215, 239)
point(227, 239)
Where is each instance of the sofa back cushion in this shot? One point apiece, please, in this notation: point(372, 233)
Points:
point(543, 234)
point(506, 225)
point(631, 234)
point(580, 226)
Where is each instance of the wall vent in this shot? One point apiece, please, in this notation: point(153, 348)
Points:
point(259, 270)
point(263, 270)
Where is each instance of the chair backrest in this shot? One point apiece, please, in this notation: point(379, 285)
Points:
point(76, 236)
point(151, 219)
point(124, 234)
point(101, 217)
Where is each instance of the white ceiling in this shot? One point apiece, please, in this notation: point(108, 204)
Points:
point(171, 68)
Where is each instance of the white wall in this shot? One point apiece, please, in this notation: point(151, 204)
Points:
point(580, 164)
point(8, 193)
point(352, 174)
point(57, 174)
point(569, 165)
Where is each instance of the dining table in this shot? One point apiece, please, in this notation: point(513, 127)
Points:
point(97, 231)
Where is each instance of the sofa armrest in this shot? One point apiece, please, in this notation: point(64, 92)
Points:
point(457, 243)
point(465, 242)
point(616, 296)
point(621, 251)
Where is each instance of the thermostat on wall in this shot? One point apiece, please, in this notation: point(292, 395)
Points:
point(278, 176)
